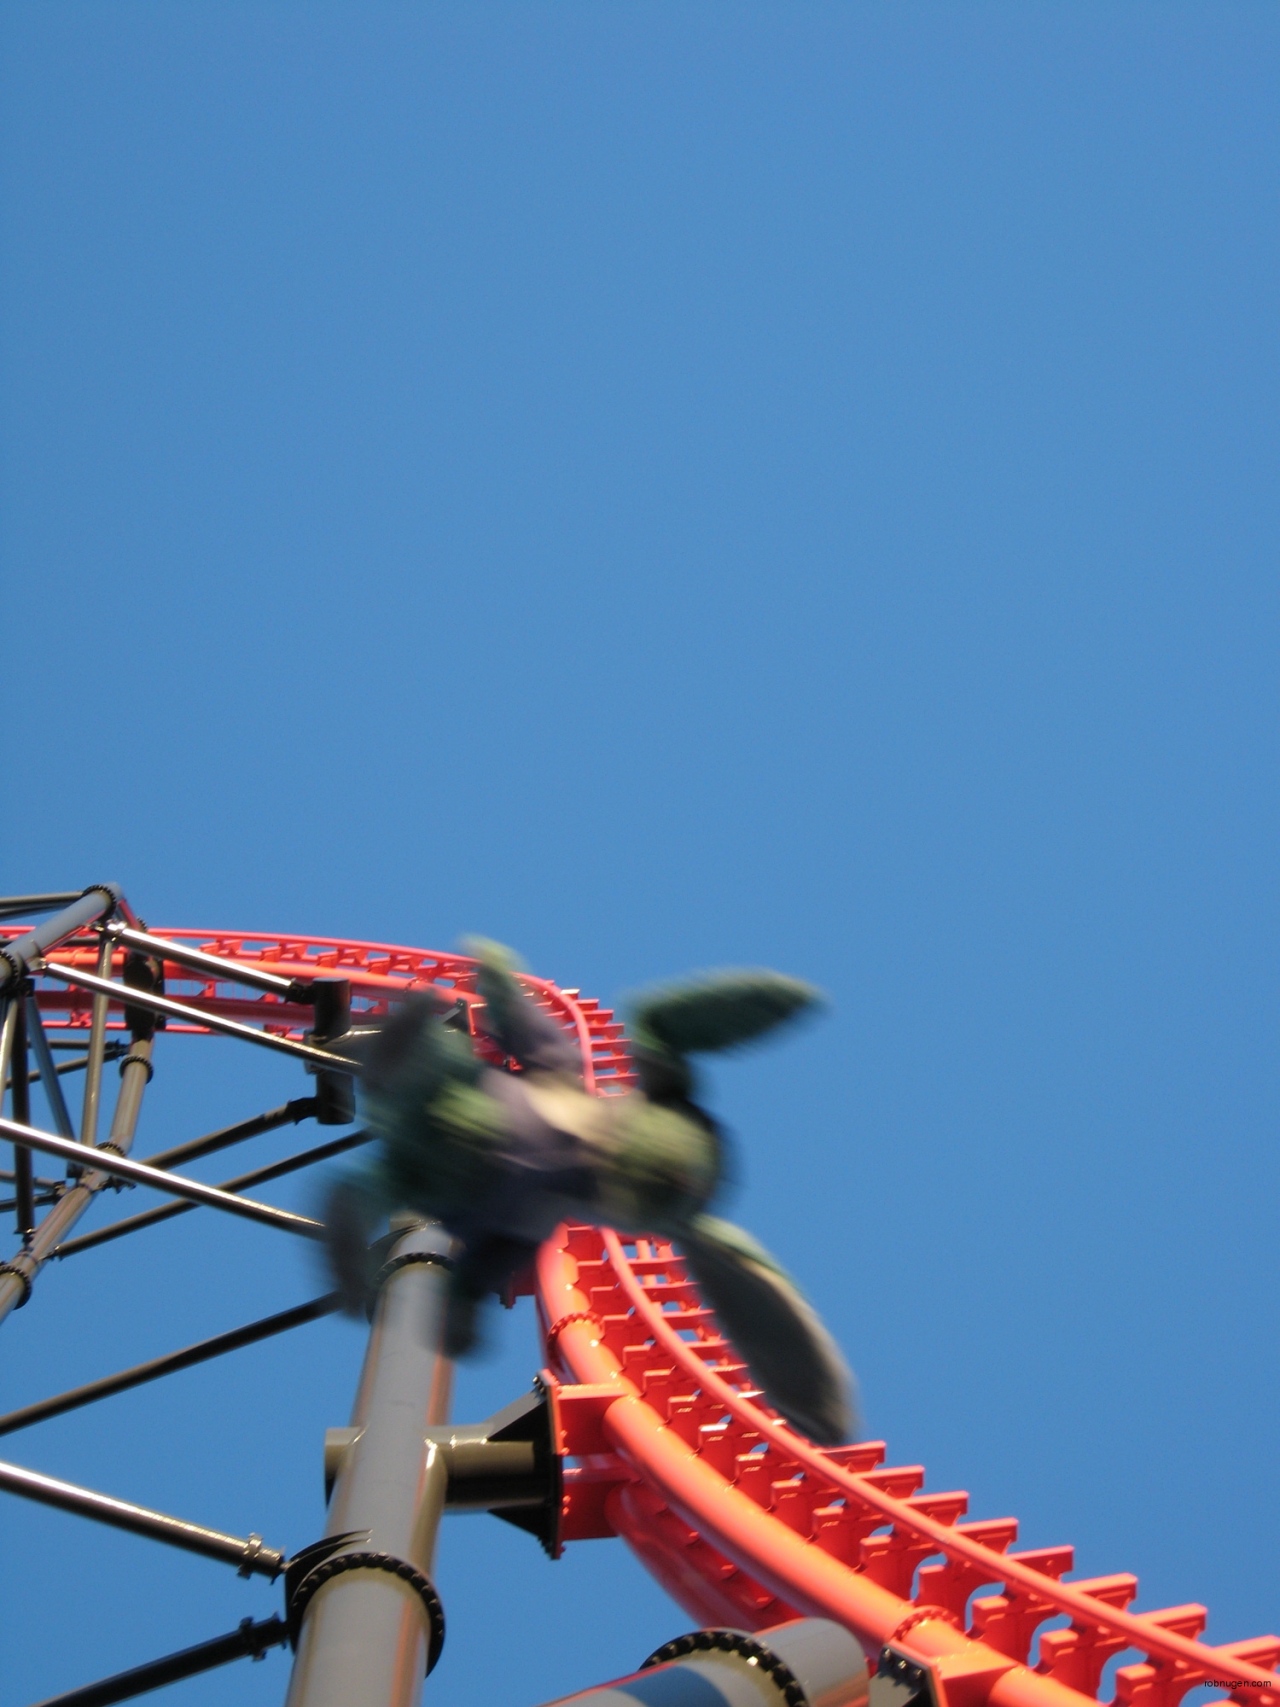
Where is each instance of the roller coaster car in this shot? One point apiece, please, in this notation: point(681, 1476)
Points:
point(502, 1154)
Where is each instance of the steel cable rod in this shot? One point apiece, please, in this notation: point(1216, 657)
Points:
point(201, 1352)
point(111, 1052)
point(166, 1211)
point(114, 1166)
point(127, 996)
point(38, 1200)
point(216, 965)
point(48, 1075)
point(250, 1640)
point(18, 906)
point(300, 1108)
point(247, 1553)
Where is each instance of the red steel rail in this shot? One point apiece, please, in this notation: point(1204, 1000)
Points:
point(746, 1523)
point(738, 1517)
point(378, 973)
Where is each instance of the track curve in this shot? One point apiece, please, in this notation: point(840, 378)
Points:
point(739, 1518)
point(743, 1521)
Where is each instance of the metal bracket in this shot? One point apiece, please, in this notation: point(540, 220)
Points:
point(905, 1677)
point(901, 1682)
point(506, 1465)
point(335, 1092)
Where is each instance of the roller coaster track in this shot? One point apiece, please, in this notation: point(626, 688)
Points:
point(742, 1521)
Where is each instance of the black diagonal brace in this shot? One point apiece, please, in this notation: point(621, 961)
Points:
point(249, 1640)
point(169, 1364)
point(298, 1108)
point(166, 1211)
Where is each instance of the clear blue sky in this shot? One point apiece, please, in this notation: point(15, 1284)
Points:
point(669, 485)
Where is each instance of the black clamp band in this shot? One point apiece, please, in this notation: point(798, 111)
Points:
point(417, 1580)
point(112, 1149)
point(253, 1551)
point(435, 1258)
point(734, 1642)
point(23, 1276)
point(137, 1061)
point(17, 967)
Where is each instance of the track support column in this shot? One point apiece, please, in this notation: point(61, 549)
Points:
point(369, 1624)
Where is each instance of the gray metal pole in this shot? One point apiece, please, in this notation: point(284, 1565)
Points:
point(13, 1050)
point(97, 1051)
point(17, 957)
point(17, 1275)
point(8, 1036)
point(24, 1200)
point(371, 1626)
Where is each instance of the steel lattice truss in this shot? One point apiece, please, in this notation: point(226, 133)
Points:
point(644, 1423)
